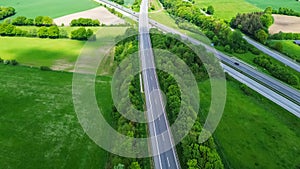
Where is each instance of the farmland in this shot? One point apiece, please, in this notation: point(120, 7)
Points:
point(285, 24)
point(254, 132)
point(39, 128)
point(48, 52)
point(293, 4)
point(52, 8)
point(226, 9)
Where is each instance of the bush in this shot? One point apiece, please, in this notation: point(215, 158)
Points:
point(45, 68)
point(14, 62)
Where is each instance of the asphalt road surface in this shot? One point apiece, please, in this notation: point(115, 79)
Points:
point(162, 145)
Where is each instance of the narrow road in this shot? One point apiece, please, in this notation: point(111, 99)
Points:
point(162, 145)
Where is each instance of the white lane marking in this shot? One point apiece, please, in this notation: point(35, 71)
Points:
point(168, 162)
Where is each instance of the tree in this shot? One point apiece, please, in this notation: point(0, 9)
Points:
point(135, 165)
point(268, 10)
point(43, 32)
point(79, 34)
point(53, 32)
point(210, 10)
point(38, 21)
point(261, 36)
point(20, 20)
point(278, 46)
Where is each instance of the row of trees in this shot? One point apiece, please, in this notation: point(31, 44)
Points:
point(85, 22)
point(52, 32)
point(217, 30)
point(38, 21)
point(285, 36)
point(277, 71)
point(285, 11)
point(6, 12)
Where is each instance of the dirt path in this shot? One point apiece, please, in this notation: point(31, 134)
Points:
point(100, 13)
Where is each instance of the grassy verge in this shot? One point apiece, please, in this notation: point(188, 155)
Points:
point(289, 48)
point(50, 52)
point(52, 8)
point(38, 124)
point(226, 9)
point(254, 132)
point(164, 18)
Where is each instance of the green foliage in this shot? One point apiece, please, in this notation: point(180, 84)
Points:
point(85, 22)
point(285, 36)
point(6, 12)
point(53, 32)
point(43, 32)
point(210, 10)
point(286, 11)
point(277, 71)
point(261, 36)
point(81, 34)
point(43, 21)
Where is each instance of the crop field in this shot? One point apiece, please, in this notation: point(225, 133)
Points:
point(254, 132)
point(285, 23)
point(226, 9)
point(59, 53)
point(52, 8)
point(38, 125)
point(293, 4)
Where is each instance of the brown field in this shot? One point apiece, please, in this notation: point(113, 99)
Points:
point(285, 23)
point(100, 13)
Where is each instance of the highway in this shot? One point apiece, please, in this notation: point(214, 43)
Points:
point(278, 56)
point(161, 140)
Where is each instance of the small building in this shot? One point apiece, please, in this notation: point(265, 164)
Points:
point(297, 42)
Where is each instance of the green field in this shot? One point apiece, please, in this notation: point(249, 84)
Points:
point(38, 125)
point(254, 132)
point(226, 9)
point(50, 52)
point(289, 48)
point(52, 8)
point(293, 4)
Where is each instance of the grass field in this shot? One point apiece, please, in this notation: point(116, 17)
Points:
point(52, 8)
point(226, 9)
point(38, 125)
point(254, 132)
point(289, 48)
point(293, 4)
point(48, 52)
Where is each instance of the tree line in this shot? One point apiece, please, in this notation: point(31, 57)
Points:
point(6, 12)
point(52, 32)
point(24, 21)
point(85, 22)
point(277, 71)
